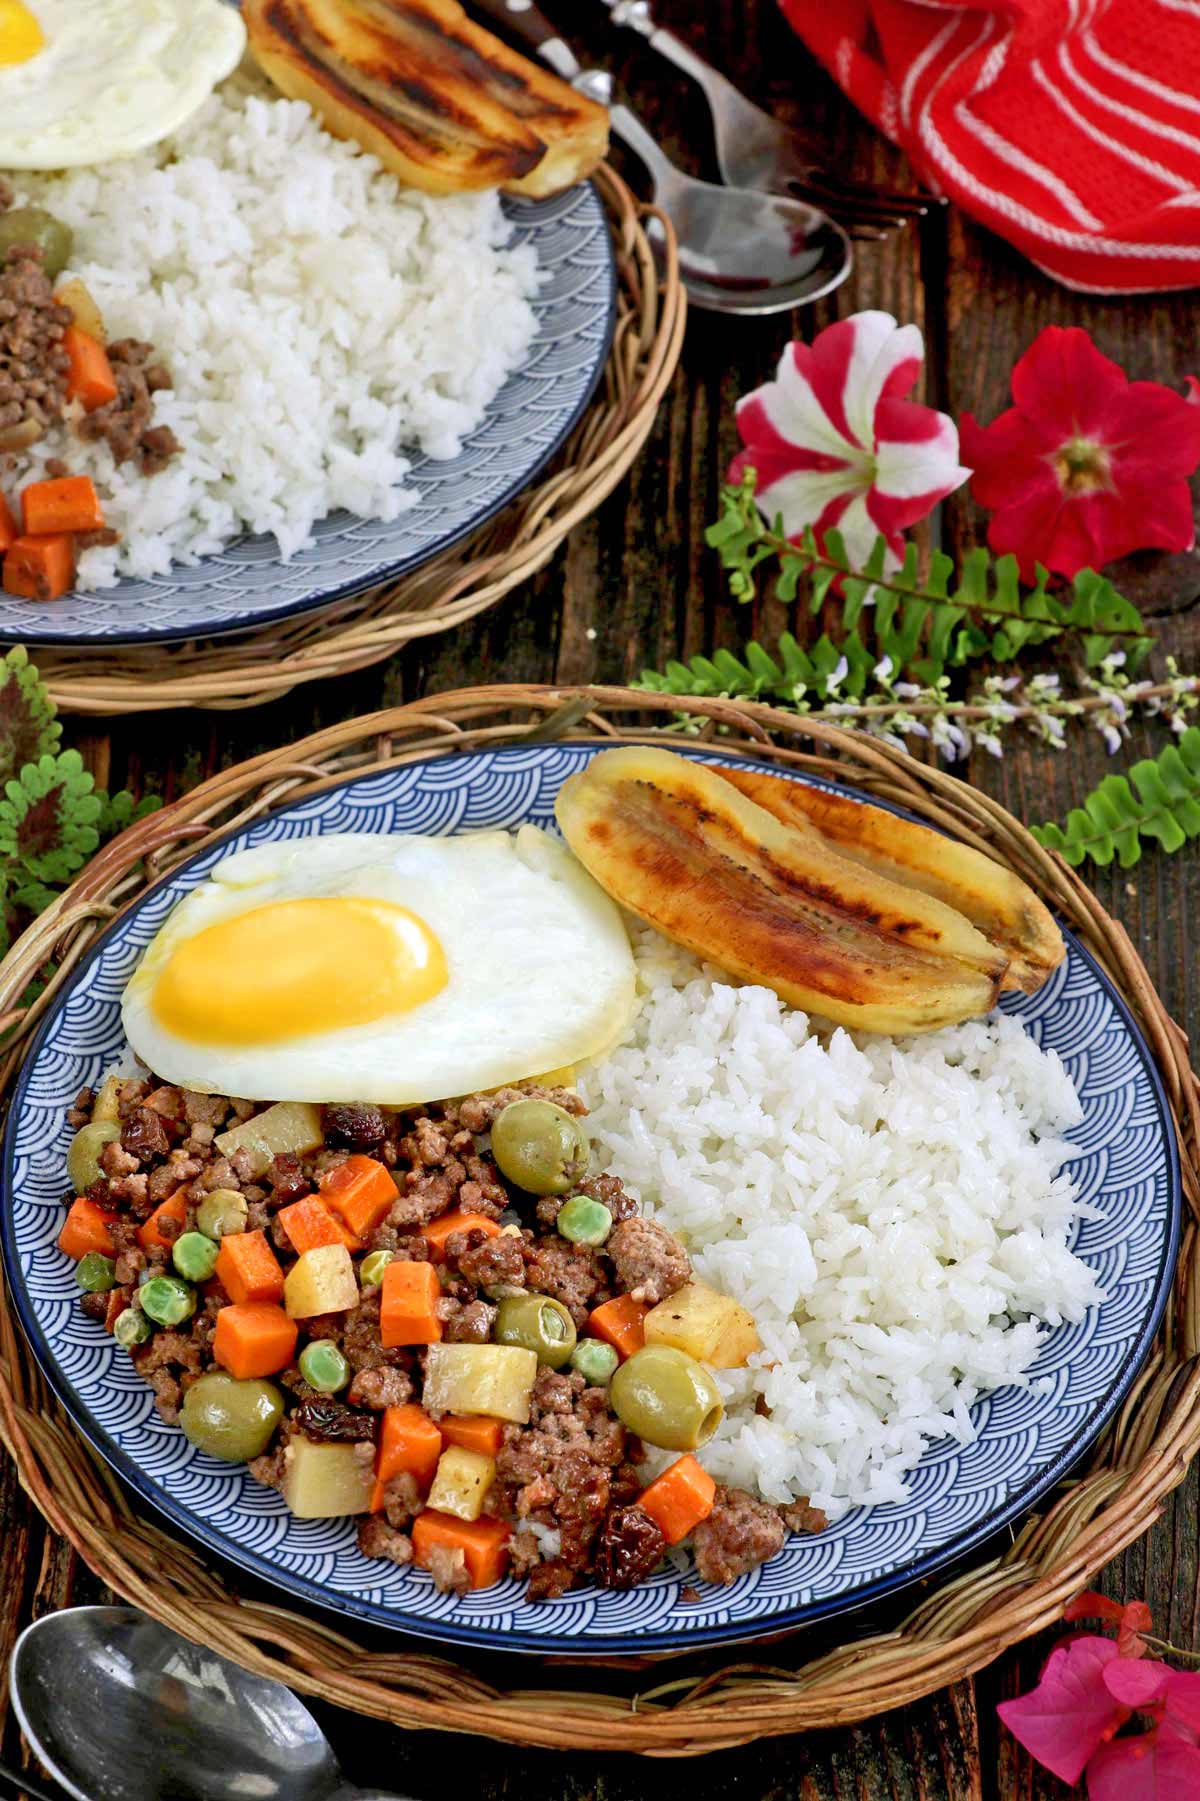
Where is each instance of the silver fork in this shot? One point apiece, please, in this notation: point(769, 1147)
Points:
point(755, 151)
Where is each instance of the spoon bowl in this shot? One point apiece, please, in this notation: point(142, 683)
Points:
point(118, 1708)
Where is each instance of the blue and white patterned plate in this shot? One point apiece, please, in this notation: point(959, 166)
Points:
point(1126, 1169)
point(535, 411)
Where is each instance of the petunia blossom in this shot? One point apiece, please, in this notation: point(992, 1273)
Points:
point(835, 442)
point(1087, 465)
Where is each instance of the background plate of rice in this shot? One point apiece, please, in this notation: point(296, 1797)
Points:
point(363, 375)
point(735, 1099)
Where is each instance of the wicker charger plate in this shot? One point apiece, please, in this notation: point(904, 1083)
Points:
point(244, 669)
point(955, 1630)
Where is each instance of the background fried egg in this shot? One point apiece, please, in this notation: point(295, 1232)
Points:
point(92, 80)
point(383, 968)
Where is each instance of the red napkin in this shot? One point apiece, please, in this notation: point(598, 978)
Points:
point(1071, 127)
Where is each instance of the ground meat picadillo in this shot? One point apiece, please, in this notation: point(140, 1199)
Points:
point(567, 1484)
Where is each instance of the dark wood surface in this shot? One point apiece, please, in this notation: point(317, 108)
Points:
point(634, 585)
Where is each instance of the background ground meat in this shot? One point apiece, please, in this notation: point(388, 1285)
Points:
point(798, 1516)
point(487, 1261)
point(738, 1535)
point(558, 1470)
point(377, 1539)
point(649, 1262)
point(468, 1322)
point(570, 1273)
point(379, 1388)
point(611, 1191)
point(449, 1570)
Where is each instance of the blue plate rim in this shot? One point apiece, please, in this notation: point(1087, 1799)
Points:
point(177, 634)
point(451, 1631)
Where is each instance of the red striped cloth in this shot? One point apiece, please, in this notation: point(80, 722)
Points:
point(1071, 127)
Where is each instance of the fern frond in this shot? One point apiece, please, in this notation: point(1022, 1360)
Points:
point(28, 727)
point(1160, 799)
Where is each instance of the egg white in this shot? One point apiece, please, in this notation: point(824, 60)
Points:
point(539, 970)
point(114, 77)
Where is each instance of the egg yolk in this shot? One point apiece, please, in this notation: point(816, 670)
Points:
point(297, 968)
point(20, 34)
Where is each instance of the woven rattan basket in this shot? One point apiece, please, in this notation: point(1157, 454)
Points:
point(248, 668)
point(722, 1700)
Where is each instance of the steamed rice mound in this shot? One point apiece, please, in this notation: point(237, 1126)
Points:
point(315, 316)
point(892, 1211)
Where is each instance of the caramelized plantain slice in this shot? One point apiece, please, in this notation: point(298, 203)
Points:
point(774, 904)
point(1005, 909)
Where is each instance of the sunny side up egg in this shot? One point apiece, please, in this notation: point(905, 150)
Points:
point(87, 81)
point(393, 969)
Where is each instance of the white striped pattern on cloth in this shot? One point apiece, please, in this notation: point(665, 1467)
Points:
point(1070, 127)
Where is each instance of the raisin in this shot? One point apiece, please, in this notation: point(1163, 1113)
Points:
point(330, 1421)
point(354, 1128)
point(631, 1546)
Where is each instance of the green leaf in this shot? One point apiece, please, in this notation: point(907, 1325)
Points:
point(28, 727)
point(1160, 799)
point(48, 818)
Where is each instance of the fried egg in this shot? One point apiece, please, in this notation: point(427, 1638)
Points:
point(392, 968)
point(87, 81)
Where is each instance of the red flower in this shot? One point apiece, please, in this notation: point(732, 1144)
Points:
point(1087, 465)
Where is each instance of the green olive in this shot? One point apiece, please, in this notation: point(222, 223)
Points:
point(33, 225)
point(229, 1419)
point(222, 1212)
point(539, 1146)
point(83, 1158)
point(667, 1398)
point(536, 1323)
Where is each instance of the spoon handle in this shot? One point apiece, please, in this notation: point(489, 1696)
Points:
point(526, 21)
point(25, 1784)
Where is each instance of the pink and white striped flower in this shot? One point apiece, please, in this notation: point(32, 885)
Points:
point(834, 442)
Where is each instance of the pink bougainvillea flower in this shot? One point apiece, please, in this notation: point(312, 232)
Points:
point(1071, 1712)
point(835, 442)
point(1087, 465)
point(1131, 1618)
point(1150, 1766)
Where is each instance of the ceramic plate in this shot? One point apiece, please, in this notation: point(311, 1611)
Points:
point(1125, 1167)
point(534, 412)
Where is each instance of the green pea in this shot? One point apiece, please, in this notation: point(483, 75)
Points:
point(167, 1300)
point(83, 1158)
point(370, 1270)
point(132, 1328)
point(595, 1361)
point(536, 1323)
point(323, 1366)
point(667, 1398)
point(96, 1273)
point(231, 1419)
point(195, 1256)
point(582, 1220)
point(539, 1146)
point(221, 1213)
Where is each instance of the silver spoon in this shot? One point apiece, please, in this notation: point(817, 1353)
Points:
point(120, 1709)
point(739, 251)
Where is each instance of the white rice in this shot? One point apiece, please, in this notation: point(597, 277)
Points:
point(889, 1211)
point(313, 314)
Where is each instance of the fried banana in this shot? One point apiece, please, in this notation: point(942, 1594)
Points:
point(773, 903)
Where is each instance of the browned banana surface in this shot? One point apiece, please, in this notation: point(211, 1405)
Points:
point(1005, 909)
point(692, 856)
point(443, 104)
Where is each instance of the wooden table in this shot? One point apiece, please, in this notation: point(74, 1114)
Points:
point(633, 586)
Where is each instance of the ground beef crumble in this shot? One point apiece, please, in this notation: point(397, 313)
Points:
point(567, 1483)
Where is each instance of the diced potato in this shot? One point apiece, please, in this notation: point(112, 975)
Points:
point(480, 1378)
point(705, 1324)
point(82, 308)
point(106, 1105)
point(289, 1126)
point(323, 1482)
point(321, 1281)
point(461, 1482)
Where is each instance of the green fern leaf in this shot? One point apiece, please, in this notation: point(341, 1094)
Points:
point(48, 818)
point(28, 727)
point(1160, 799)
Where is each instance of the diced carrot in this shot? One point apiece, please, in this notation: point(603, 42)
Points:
point(483, 1543)
point(248, 1269)
point(438, 1231)
point(151, 1236)
point(86, 1229)
point(619, 1323)
point(118, 1300)
point(473, 1434)
point(679, 1499)
point(254, 1338)
point(8, 525)
point(408, 1305)
point(309, 1223)
point(39, 568)
point(90, 378)
point(361, 1189)
point(409, 1444)
point(68, 504)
